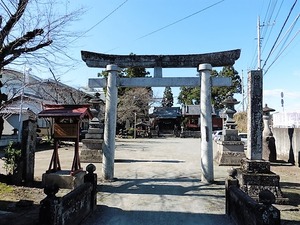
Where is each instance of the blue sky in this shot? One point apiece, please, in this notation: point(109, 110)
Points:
point(194, 27)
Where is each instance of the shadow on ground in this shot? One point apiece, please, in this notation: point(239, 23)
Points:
point(163, 187)
point(104, 215)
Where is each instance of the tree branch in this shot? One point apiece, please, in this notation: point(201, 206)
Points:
point(31, 49)
point(19, 42)
point(13, 20)
point(16, 53)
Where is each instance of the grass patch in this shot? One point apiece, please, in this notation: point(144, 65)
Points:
point(4, 189)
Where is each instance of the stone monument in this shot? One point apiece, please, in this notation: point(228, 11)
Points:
point(254, 174)
point(92, 144)
point(230, 149)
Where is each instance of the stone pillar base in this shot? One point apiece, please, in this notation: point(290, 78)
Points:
point(229, 153)
point(255, 176)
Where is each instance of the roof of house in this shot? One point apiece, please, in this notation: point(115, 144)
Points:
point(80, 111)
point(194, 110)
point(166, 112)
point(13, 105)
point(15, 110)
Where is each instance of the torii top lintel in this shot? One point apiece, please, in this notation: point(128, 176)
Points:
point(216, 59)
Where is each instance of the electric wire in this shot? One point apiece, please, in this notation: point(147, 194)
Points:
point(100, 21)
point(267, 20)
point(255, 51)
point(287, 35)
point(282, 52)
point(177, 21)
point(171, 24)
point(271, 25)
point(278, 36)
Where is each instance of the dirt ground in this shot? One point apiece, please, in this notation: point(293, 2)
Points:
point(290, 186)
point(25, 200)
point(20, 197)
point(22, 200)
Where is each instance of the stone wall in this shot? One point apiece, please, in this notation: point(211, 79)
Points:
point(244, 210)
point(72, 208)
point(287, 142)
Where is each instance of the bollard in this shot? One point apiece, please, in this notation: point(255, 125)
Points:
point(269, 214)
point(91, 177)
point(49, 207)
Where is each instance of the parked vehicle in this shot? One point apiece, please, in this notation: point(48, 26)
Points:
point(217, 135)
point(243, 137)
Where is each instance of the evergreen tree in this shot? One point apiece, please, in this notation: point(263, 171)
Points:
point(190, 96)
point(167, 100)
point(219, 94)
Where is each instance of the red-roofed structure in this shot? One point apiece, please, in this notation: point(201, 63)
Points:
point(66, 126)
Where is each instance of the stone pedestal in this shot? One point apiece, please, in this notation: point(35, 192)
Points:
point(91, 150)
point(255, 176)
point(230, 149)
point(229, 153)
point(63, 179)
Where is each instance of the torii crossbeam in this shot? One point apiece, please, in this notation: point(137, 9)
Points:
point(215, 59)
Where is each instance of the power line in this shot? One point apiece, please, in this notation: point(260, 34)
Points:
point(287, 34)
point(281, 52)
point(271, 51)
point(269, 34)
point(263, 28)
point(177, 21)
point(171, 24)
point(100, 21)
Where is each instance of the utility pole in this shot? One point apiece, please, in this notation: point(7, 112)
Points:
point(258, 45)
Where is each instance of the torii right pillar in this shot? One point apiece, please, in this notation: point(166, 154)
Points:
point(254, 174)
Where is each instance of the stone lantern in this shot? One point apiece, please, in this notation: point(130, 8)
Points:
point(266, 118)
point(230, 149)
point(96, 104)
point(229, 103)
point(269, 147)
point(92, 144)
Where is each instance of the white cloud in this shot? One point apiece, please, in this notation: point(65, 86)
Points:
point(272, 93)
point(290, 102)
point(277, 93)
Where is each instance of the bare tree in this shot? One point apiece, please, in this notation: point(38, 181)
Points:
point(35, 31)
point(135, 100)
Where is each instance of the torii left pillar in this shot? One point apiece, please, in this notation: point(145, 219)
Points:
point(207, 167)
point(110, 123)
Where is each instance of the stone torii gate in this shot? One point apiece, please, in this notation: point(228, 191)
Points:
point(203, 63)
